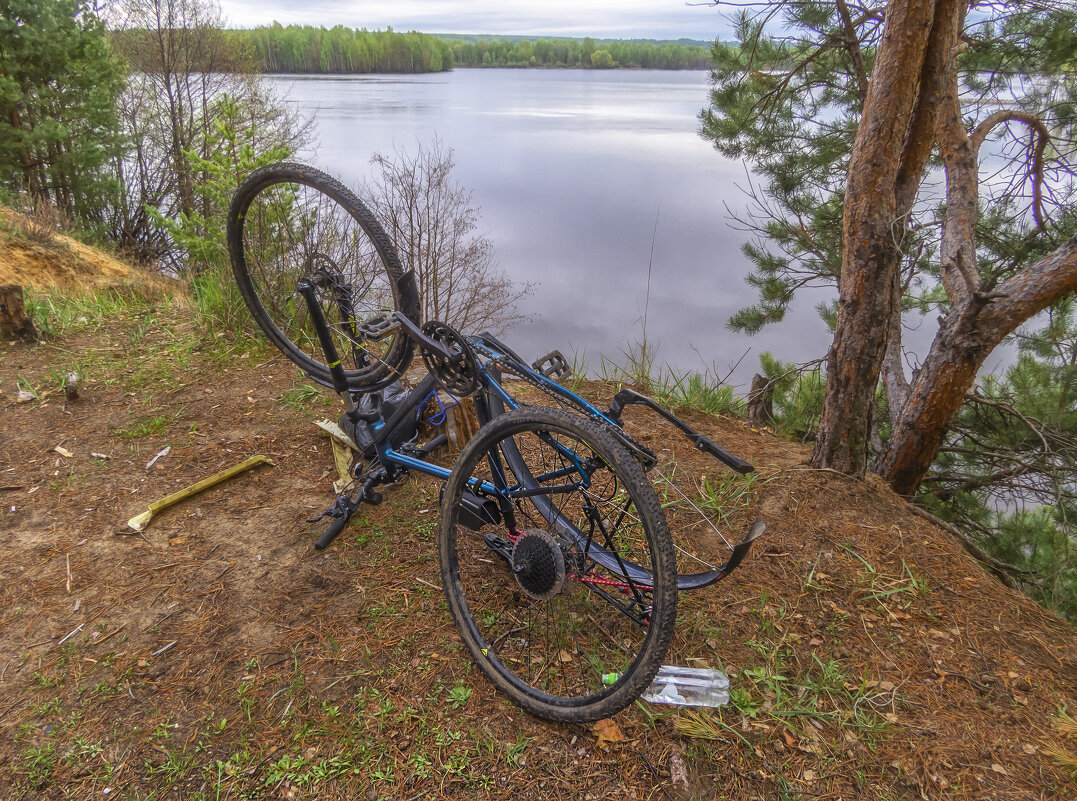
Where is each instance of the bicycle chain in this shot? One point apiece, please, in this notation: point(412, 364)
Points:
point(640, 452)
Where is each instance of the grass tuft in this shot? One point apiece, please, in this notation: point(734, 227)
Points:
point(704, 392)
point(57, 312)
point(1065, 724)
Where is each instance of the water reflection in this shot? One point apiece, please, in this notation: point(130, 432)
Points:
point(571, 169)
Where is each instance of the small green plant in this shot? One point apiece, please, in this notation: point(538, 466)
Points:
point(38, 765)
point(459, 695)
point(175, 766)
point(302, 396)
point(726, 494)
point(148, 426)
point(41, 680)
point(514, 755)
point(25, 385)
point(41, 710)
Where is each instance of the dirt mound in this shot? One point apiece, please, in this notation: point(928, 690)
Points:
point(869, 655)
point(56, 261)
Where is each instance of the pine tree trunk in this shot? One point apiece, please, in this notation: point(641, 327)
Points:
point(889, 151)
point(968, 335)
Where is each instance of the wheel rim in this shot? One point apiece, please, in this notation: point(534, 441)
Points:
point(563, 639)
point(293, 231)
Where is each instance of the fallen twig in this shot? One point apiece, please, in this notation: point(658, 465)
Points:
point(160, 651)
point(72, 634)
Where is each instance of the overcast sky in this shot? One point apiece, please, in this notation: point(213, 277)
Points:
point(627, 19)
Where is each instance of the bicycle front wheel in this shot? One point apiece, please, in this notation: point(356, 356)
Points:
point(289, 223)
point(557, 565)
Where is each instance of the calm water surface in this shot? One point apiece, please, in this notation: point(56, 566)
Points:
point(570, 169)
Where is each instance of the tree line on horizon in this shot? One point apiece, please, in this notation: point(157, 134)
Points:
point(340, 50)
point(308, 49)
point(580, 53)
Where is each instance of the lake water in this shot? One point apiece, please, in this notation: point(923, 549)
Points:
point(570, 169)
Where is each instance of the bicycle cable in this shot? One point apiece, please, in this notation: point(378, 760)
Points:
point(507, 364)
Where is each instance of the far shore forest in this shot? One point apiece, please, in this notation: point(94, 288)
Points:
point(341, 50)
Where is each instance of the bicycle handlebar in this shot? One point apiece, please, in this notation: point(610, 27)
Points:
point(630, 396)
point(331, 533)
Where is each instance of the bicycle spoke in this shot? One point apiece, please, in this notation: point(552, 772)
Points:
point(566, 496)
point(292, 224)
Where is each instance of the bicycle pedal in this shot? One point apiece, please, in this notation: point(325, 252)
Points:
point(552, 365)
point(378, 328)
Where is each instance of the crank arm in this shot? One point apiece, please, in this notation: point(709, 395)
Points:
point(425, 342)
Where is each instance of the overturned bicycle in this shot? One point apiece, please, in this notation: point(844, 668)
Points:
point(563, 540)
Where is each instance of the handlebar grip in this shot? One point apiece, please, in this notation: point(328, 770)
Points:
point(331, 533)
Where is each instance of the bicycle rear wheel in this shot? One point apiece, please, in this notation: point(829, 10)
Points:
point(702, 502)
point(289, 223)
point(563, 585)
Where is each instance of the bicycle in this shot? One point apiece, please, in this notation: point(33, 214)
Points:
point(556, 559)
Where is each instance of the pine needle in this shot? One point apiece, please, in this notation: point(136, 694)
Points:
point(698, 725)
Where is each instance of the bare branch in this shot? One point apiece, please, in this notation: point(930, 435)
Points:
point(852, 44)
point(1041, 137)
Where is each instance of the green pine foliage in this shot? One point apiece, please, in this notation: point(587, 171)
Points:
point(786, 98)
point(59, 84)
point(1008, 472)
point(798, 396)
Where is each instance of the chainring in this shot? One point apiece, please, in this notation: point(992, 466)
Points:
point(459, 374)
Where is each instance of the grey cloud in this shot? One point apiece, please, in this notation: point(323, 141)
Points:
point(653, 18)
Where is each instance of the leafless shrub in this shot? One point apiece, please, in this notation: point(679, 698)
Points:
point(38, 219)
point(183, 62)
point(435, 226)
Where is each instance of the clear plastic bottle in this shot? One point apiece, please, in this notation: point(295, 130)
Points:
point(684, 686)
